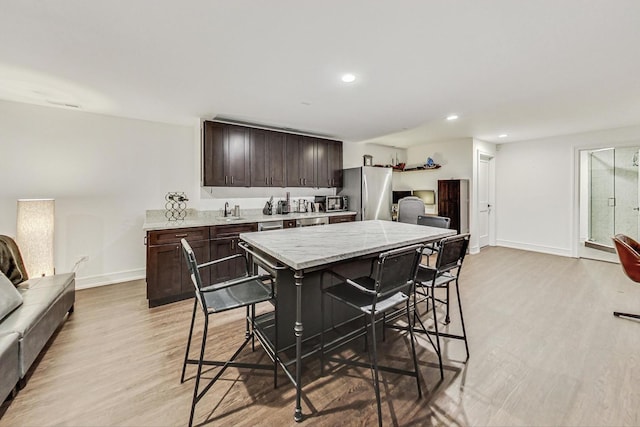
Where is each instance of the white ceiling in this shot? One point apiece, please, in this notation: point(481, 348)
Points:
point(526, 68)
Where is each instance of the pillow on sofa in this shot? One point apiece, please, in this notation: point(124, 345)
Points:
point(10, 298)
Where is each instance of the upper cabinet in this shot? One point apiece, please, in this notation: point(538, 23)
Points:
point(242, 156)
point(268, 163)
point(301, 161)
point(329, 163)
point(226, 155)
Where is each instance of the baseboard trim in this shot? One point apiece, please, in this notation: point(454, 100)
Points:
point(535, 248)
point(109, 279)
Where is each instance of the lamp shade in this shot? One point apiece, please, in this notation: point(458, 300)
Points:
point(34, 235)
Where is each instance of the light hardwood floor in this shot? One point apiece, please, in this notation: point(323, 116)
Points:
point(545, 350)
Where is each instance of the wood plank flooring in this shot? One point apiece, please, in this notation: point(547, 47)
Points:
point(545, 350)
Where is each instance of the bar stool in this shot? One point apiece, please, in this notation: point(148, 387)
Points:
point(389, 286)
point(452, 251)
point(246, 292)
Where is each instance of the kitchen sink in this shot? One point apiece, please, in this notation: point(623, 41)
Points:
point(232, 218)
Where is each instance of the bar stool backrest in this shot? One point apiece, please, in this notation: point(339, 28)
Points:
point(194, 272)
point(396, 269)
point(434, 221)
point(452, 252)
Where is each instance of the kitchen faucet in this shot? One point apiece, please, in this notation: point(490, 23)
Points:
point(226, 208)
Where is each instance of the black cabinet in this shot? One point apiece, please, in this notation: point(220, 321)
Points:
point(226, 155)
point(268, 163)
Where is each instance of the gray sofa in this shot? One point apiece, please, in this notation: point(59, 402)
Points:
point(26, 329)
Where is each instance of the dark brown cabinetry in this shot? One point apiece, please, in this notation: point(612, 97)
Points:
point(224, 242)
point(240, 156)
point(167, 276)
point(342, 218)
point(453, 202)
point(313, 162)
point(301, 161)
point(268, 163)
point(289, 223)
point(335, 164)
point(226, 155)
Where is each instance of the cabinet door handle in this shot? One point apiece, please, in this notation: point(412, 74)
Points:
point(329, 181)
point(182, 235)
point(232, 180)
point(266, 180)
point(225, 180)
point(271, 180)
point(233, 244)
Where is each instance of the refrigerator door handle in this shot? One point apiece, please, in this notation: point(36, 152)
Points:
point(365, 197)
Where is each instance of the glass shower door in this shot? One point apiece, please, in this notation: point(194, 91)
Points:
point(626, 186)
point(602, 196)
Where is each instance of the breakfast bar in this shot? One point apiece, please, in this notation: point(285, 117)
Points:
point(298, 256)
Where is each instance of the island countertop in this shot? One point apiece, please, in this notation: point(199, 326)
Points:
point(308, 247)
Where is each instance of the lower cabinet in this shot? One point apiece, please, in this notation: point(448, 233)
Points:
point(168, 277)
point(224, 242)
point(341, 218)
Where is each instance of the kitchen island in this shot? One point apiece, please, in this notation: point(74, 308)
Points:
point(300, 255)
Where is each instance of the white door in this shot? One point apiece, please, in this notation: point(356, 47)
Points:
point(484, 200)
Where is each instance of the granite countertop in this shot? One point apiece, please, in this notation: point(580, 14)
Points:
point(307, 247)
point(155, 219)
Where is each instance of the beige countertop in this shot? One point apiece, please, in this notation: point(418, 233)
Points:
point(156, 220)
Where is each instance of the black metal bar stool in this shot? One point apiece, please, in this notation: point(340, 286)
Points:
point(389, 286)
point(451, 253)
point(246, 292)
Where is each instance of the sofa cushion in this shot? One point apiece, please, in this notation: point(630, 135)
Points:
point(10, 298)
point(21, 321)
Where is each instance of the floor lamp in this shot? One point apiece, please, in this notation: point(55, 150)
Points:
point(34, 235)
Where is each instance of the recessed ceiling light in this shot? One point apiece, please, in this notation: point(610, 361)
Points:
point(452, 117)
point(348, 78)
point(503, 135)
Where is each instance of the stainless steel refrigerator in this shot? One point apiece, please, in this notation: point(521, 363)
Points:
point(368, 190)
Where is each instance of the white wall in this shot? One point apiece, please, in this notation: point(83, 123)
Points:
point(537, 194)
point(352, 153)
point(104, 172)
point(455, 157)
